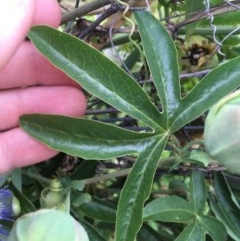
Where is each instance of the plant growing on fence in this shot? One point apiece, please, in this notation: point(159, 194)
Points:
point(95, 140)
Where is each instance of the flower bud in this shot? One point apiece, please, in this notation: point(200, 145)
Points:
point(47, 225)
point(53, 196)
point(222, 132)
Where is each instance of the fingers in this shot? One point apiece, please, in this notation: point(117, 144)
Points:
point(48, 12)
point(28, 67)
point(50, 100)
point(17, 149)
point(16, 17)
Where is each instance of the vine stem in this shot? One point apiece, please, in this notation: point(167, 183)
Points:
point(120, 173)
point(223, 8)
point(84, 9)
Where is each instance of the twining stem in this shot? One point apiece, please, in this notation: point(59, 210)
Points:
point(84, 9)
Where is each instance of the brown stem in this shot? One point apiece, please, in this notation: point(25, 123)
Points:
point(84, 9)
point(223, 8)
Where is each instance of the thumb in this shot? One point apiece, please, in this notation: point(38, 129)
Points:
point(15, 21)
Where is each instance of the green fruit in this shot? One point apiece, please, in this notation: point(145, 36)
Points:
point(47, 225)
point(222, 132)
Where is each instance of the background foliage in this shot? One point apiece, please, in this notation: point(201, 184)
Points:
point(135, 167)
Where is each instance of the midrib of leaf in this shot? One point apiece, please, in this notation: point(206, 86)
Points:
point(137, 188)
point(87, 147)
point(161, 56)
point(91, 84)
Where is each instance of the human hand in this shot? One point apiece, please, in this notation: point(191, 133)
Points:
point(28, 82)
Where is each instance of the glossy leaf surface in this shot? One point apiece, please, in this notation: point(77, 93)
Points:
point(84, 138)
point(161, 56)
point(214, 86)
point(95, 73)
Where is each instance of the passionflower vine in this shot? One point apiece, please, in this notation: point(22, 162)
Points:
point(222, 132)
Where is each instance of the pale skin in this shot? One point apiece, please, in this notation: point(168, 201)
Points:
point(29, 83)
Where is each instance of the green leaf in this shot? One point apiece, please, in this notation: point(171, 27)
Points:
point(198, 192)
point(84, 138)
point(148, 233)
point(99, 209)
point(96, 74)
point(93, 234)
point(220, 216)
point(89, 168)
point(169, 209)
point(213, 227)
point(225, 209)
point(136, 190)
point(214, 86)
point(200, 156)
point(76, 184)
point(161, 56)
point(192, 232)
point(78, 199)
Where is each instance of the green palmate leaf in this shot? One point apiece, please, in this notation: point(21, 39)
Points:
point(214, 86)
point(198, 192)
point(95, 73)
point(213, 227)
point(169, 209)
point(225, 208)
point(84, 138)
point(161, 56)
point(192, 232)
point(136, 190)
